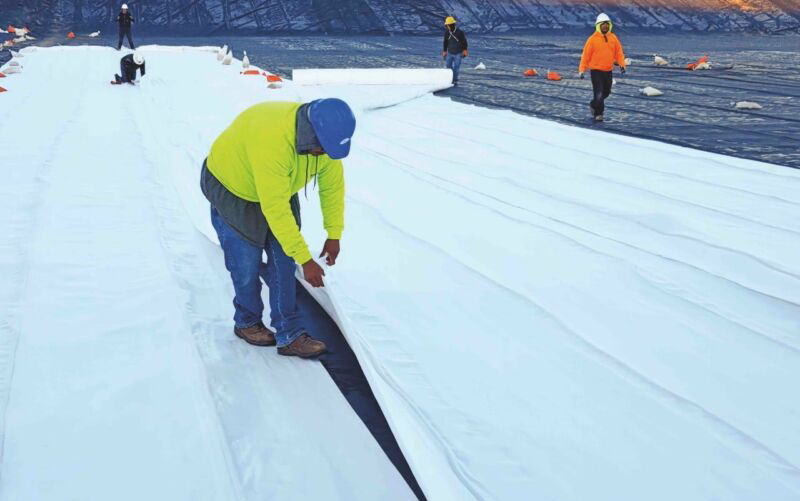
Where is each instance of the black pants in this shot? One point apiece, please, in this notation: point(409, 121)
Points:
point(128, 73)
point(123, 32)
point(601, 85)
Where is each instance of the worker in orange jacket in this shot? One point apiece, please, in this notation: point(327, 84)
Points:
point(602, 50)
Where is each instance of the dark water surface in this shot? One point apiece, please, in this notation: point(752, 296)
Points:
point(696, 109)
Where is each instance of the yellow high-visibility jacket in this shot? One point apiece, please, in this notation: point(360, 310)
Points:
point(255, 158)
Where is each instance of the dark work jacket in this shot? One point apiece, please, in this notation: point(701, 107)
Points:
point(125, 20)
point(455, 42)
point(130, 66)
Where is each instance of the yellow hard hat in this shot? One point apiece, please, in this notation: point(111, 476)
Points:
point(449, 20)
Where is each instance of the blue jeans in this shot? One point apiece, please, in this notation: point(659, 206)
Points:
point(453, 62)
point(244, 262)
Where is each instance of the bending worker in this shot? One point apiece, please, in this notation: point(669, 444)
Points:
point(251, 177)
point(455, 47)
point(602, 50)
point(128, 66)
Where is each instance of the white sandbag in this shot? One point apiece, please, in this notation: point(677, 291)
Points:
point(94, 35)
point(651, 91)
point(11, 70)
point(659, 61)
point(748, 105)
point(377, 76)
point(480, 66)
point(703, 66)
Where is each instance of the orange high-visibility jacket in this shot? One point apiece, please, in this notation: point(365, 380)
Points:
point(601, 51)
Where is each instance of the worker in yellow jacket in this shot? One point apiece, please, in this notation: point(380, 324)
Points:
point(251, 177)
point(602, 50)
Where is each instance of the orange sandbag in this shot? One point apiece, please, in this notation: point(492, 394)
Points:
point(250, 72)
point(274, 78)
point(3, 90)
point(11, 29)
point(530, 73)
point(2, 75)
point(700, 61)
point(70, 35)
point(552, 75)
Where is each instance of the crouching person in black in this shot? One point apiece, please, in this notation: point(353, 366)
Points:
point(127, 68)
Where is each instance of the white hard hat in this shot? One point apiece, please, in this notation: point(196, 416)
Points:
point(138, 59)
point(603, 18)
point(125, 6)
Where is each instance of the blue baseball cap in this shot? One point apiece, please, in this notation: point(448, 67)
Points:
point(334, 124)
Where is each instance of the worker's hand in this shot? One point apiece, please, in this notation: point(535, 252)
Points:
point(444, 54)
point(466, 53)
point(313, 273)
point(581, 75)
point(331, 248)
point(622, 69)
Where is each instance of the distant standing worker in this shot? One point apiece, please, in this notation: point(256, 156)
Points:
point(455, 47)
point(125, 21)
point(602, 50)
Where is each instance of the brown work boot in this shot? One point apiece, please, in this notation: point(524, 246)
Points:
point(304, 346)
point(257, 335)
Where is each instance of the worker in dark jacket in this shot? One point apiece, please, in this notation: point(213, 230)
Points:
point(455, 47)
point(125, 21)
point(127, 68)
